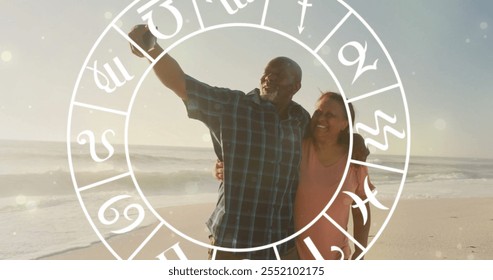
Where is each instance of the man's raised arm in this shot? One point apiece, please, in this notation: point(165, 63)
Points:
point(167, 68)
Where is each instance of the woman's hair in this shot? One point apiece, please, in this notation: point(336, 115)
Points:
point(344, 136)
point(360, 151)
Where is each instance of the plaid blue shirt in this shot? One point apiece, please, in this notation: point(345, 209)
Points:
point(261, 155)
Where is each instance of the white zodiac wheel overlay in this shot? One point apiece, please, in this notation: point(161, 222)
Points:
point(339, 42)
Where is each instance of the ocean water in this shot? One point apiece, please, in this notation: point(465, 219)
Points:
point(41, 215)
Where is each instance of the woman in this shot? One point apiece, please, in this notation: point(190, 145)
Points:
point(324, 158)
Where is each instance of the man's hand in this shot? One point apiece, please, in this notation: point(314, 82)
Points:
point(218, 171)
point(141, 35)
point(166, 68)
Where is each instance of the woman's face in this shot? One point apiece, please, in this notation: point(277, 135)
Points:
point(328, 120)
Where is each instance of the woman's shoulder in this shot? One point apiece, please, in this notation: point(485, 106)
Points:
point(361, 175)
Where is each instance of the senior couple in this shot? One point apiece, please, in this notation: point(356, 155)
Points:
point(279, 168)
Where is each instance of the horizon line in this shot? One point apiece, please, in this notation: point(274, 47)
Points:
point(210, 147)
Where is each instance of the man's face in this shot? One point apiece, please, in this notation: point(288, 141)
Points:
point(279, 83)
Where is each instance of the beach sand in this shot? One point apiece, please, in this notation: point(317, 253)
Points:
point(419, 229)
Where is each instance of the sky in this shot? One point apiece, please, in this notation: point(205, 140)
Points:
point(441, 51)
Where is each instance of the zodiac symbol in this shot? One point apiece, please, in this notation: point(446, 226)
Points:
point(337, 249)
point(228, 7)
point(360, 60)
point(106, 205)
point(316, 253)
point(304, 5)
point(116, 81)
point(178, 251)
point(92, 144)
point(150, 22)
point(371, 197)
point(313, 249)
point(386, 129)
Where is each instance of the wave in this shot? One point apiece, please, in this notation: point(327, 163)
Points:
point(433, 169)
point(23, 202)
point(181, 182)
point(439, 177)
point(59, 182)
point(41, 168)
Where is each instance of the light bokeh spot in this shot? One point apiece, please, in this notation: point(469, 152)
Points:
point(206, 138)
point(20, 200)
point(325, 50)
point(6, 56)
point(440, 124)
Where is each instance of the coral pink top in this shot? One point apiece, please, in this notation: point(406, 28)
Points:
point(318, 184)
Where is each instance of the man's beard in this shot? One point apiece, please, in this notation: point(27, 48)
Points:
point(271, 96)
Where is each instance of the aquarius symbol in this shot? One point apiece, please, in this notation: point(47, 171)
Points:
point(371, 197)
point(92, 144)
point(386, 129)
point(229, 9)
point(106, 205)
point(105, 85)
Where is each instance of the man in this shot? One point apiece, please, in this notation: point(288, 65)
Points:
point(258, 137)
